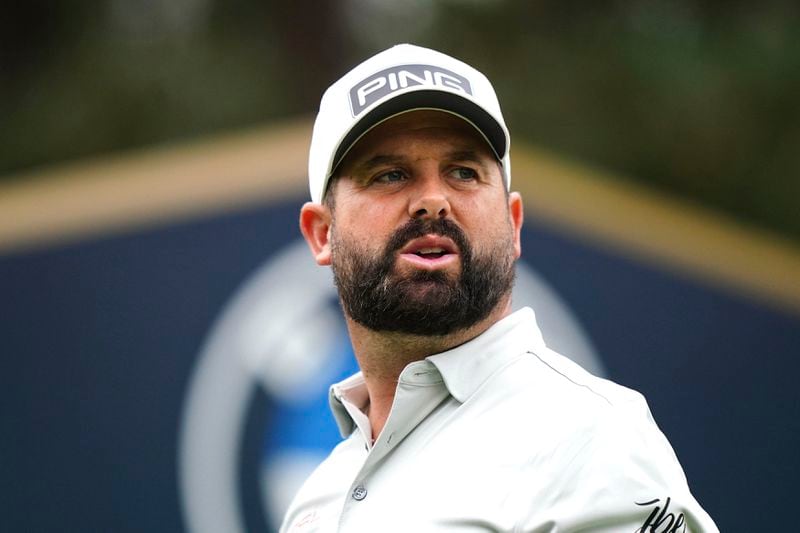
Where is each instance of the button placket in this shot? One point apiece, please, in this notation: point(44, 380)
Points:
point(359, 493)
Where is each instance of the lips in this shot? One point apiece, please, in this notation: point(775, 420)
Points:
point(430, 251)
point(434, 245)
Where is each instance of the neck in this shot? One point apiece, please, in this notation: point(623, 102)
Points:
point(382, 356)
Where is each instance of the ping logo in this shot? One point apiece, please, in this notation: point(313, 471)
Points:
point(375, 87)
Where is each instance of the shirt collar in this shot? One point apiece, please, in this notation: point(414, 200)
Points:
point(466, 367)
point(352, 390)
point(463, 368)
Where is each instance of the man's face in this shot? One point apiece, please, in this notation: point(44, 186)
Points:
point(422, 237)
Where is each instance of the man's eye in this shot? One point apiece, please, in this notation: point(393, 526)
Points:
point(464, 174)
point(390, 177)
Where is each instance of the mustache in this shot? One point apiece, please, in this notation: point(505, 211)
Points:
point(417, 227)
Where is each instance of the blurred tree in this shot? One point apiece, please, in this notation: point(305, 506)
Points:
point(696, 97)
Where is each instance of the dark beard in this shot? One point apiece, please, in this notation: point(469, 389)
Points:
point(426, 303)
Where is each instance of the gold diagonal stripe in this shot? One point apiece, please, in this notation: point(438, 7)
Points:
point(111, 194)
point(91, 198)
point(658, 229)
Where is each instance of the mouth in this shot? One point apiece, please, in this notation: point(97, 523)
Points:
point(430, 252)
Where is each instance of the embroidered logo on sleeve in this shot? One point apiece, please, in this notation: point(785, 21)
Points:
point(661, 519)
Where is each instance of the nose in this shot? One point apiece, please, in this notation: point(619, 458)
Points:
point(430, 199)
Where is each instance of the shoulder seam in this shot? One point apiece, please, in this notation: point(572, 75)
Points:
point(551, 367)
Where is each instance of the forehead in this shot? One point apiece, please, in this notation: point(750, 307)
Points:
point(403, 130)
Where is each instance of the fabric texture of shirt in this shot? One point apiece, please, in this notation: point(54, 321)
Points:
point(498, 434)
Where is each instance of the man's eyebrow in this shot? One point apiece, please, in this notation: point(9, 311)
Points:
point(395, 159)
point(465, 155)
point(378, 161)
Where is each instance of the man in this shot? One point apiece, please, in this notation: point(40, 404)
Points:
point(461, 419)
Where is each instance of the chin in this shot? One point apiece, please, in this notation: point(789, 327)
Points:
point(428, 295)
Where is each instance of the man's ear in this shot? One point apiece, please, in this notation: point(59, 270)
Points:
point(315, 224)
point(516, 215)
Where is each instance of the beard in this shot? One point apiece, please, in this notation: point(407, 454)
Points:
point(428, 303)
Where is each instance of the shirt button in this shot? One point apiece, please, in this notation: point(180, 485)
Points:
point(359, 493)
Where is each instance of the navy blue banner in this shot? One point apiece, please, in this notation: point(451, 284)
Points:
point(173, 379)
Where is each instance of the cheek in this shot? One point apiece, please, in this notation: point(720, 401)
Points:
point(365, 233)
point(369, 225)
point(488, 227)
point(485, 217)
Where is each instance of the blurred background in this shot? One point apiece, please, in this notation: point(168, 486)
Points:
point(166, 343)
point(696, 98)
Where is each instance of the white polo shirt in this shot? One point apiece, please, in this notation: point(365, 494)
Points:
point(498, 434)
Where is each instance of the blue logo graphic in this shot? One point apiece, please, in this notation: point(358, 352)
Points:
point(283, 333)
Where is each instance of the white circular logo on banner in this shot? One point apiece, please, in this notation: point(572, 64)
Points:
point(283, 332)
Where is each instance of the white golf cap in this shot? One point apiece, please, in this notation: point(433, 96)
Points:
point(400, 79)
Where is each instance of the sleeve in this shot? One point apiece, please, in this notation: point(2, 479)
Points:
point(618, 475)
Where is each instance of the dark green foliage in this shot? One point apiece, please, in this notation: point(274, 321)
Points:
point(696, 98)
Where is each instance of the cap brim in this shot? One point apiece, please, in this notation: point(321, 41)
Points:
point(486, 124)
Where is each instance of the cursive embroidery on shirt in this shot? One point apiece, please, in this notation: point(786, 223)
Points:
point(305, 522)
point(661, 520)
